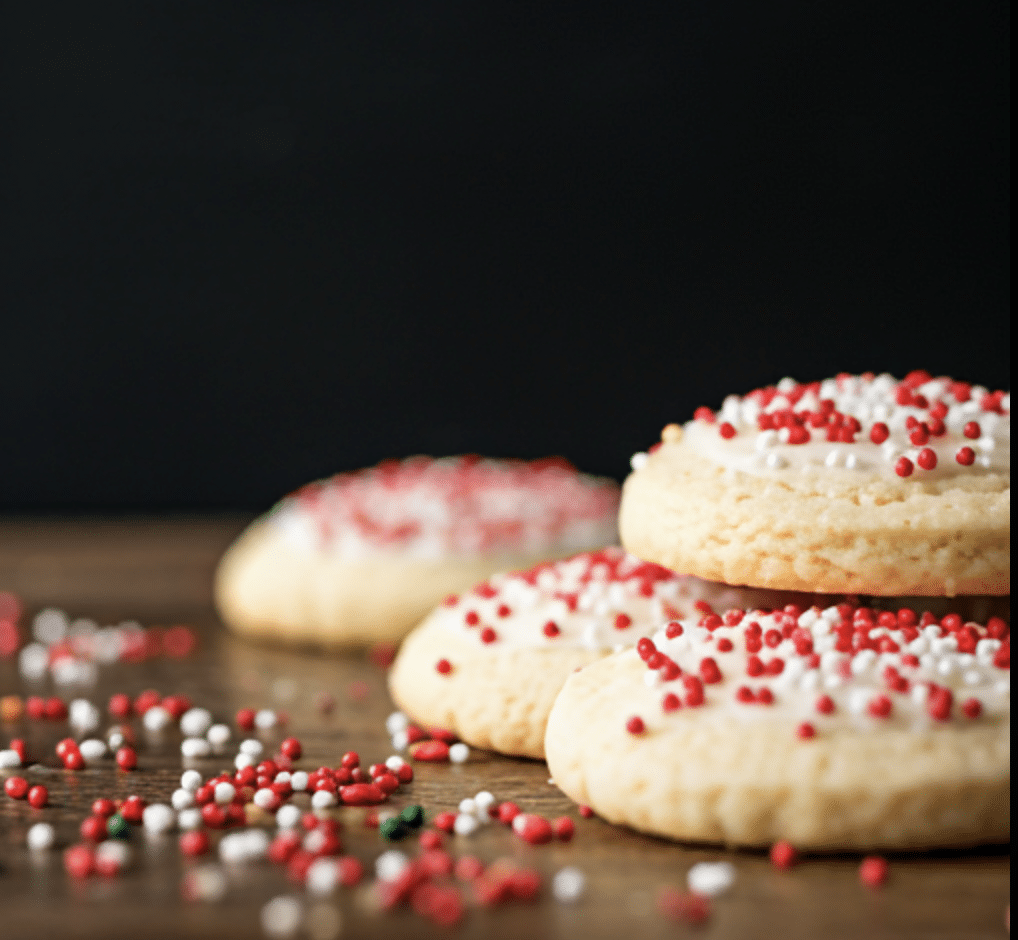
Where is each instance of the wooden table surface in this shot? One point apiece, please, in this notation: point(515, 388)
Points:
point(159, 572)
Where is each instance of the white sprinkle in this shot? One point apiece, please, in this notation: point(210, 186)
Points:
point(224, 793)
point(397, 721)
point(195, 722)
point(281, 916)
point(484, 801)
point(116, 739)
point(182, 799)
point(973, 677)
point(459, 753)
point(288, 816)
point(858, 700)
point(156, 718)
point(400, 740)
point(322, 876)
point(190, 780)
point(252, 746)
point(299, 781)
point(395, 762)
point(466, 824)
point(283, 776)
point(920, 693)
point(195, 747)
point(265, 798)
point(158, 818)
point(50, 626)
point(33, 661)
point(862, 661)
point(265, 719)
point(638, 461)
point(83, 716)
point(323, 799)
point(710, 878)
point(218, 735)
point(567, 885)
point(243, 760)
point(9, 760)
point(189, 819)
point(116, 851)
point(468, 806)
point(40, 836)
point(93, 750)
point(256, 843)
point(390, 865)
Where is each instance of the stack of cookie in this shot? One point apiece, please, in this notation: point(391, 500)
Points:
point(834, 726)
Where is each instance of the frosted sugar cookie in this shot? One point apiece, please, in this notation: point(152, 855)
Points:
point(834, 729)
point(859, 485)
point(488, 664)
point(361, 557)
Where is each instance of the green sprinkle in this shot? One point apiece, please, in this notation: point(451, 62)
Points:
point(117, 827)
point(412, 816)
point(392, 830)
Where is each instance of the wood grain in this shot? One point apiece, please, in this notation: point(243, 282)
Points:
point(159, 571)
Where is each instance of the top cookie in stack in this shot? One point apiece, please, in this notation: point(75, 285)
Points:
point(858, 485)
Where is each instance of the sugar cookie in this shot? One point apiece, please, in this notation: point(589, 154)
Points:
point(835, 729)
point(361, 557)
point(856, 485)
point(489, 663)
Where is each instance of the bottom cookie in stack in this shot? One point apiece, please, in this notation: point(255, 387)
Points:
point(831, 729)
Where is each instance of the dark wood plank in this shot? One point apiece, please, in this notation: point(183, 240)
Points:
point(160, 572)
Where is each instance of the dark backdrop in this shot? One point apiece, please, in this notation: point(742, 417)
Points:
point(245, 245)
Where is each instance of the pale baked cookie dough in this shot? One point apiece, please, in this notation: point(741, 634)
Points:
point(362, 557)
point(830, 730)
point(855, 485)
point(489, 663)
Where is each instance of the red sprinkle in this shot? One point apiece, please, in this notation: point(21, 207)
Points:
point(564, 828)
point(127, 759)
point(927, 459)
point(825, 705)
point(635, 725)
point(79, 861)
point(551, 629)
point(533, 828)
point(445, 821)
point(507, 812)
point(879, 433)
point(805, 731)
point(432, 751)
point(903, 467)
point(246, 719)
point(38, 796)
point(972, 708)
point(966, 456)
point(873, 871)
point(623, 621)
point(16, 787)
point(726, 430)
point(197, 843)
point(783, 855)
point(488, 635)
point(443, 667)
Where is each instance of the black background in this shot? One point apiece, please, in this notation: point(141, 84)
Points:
point(246, 245)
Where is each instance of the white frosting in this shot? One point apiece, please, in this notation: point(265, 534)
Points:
point(853, 681)
point(453, 507)
point(869, 401)
point(584, 597)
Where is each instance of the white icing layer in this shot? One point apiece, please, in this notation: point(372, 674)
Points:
point(596, 600)
point(453, 507)
point(917, 676)
point(933, 421)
